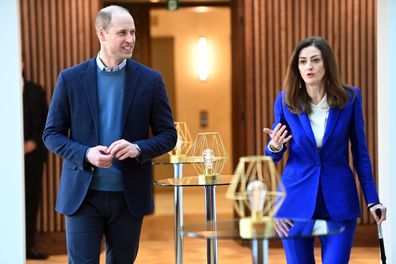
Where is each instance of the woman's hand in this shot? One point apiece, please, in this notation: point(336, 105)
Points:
point(383, 212)
point(282, 227)
point(278, 135)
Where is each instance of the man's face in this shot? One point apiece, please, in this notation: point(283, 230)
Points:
point(119, 40)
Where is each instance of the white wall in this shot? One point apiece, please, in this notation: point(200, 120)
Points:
point(12, 223)
point(386, 50)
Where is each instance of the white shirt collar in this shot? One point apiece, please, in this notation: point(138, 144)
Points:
point(322, 104)
point(103, 67)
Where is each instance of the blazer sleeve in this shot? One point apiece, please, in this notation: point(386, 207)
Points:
point(57, 128)
point(161, 124)
point(361, 158)
point(278, 118)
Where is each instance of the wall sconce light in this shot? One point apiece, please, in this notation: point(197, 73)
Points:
point(202, 59)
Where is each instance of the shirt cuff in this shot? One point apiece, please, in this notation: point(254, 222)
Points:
point(274, 150)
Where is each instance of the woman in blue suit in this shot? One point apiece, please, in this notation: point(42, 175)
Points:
point(318, 117)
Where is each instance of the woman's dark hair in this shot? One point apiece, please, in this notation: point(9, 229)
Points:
point(297, 98)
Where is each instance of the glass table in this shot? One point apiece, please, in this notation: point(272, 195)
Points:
point(229, 229)
point(178, 200)
point(210, 207)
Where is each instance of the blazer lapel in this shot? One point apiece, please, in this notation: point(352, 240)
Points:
point(307, 127)
point(91, 90)
point(131, 80)
point(331, 123)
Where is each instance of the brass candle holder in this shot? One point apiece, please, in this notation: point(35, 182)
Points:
point(183, 144)
point(257, 194)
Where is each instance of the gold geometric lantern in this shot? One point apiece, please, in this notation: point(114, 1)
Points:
point(183, 143)
point(257, 187)
point(208, 156)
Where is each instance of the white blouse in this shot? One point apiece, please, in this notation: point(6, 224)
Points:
point(318, 119)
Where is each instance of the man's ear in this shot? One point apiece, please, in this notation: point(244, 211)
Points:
point(100, 32)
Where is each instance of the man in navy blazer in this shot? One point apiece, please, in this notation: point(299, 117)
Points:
point(100, 118)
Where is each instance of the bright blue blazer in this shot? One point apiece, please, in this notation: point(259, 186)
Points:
point(72, 127)
point(329, 165)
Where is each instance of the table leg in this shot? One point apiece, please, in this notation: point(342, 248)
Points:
point(178, 200)
point(210, 203)
point(260, 251)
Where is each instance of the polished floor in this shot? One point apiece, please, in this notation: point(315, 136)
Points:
point(161, 252)
point(157, 246)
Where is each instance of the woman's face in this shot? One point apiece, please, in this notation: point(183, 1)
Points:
point(311, 65)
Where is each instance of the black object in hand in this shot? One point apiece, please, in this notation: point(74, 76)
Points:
point(378, 212)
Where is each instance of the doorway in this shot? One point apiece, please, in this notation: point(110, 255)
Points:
point(174, 39)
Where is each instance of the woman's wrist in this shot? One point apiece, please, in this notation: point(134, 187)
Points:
point(274, 149)
point(372, 205)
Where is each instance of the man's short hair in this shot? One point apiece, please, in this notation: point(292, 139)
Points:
point(103, 18)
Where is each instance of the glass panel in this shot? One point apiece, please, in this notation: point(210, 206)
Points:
point(230, 229)
point(195, 181)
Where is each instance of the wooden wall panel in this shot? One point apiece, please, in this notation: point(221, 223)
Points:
point(264, 35)
point(56, 34)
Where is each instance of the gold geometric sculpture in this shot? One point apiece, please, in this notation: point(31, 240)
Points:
point(183, 143)
point(257, 187)
point(208, 155)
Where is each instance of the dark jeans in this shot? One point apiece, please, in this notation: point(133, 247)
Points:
point(103, 214)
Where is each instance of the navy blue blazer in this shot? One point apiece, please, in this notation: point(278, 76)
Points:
point(307, 165)
point(72, 127)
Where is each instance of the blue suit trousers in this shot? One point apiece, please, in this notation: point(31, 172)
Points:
point(336, 248)
point(103, 214)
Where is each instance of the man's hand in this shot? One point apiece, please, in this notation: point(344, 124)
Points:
point(122, 149)
point(29, 146)
point(99, 157)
